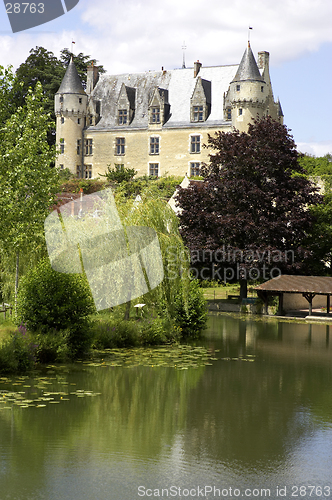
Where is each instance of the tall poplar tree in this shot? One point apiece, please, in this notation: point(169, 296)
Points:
point(28, 182)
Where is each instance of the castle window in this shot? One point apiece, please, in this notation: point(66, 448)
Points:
point(155, 114)
point(240, 111)
point(198, 114)
point(194, 169)
point(262, 89)
point(154, 145)
point(78, 121)
point(120, 146)
point(78, 146)
point(62, 167)
point(62, 146)
point(200, 101)
point(195, 144)
point(61, 98)
point(122, 118)
point(87, 171)
point(88, 146)
point(62, 119)
point(153, 169)
point(238, 88)
point(80, 100)
point(229, 114)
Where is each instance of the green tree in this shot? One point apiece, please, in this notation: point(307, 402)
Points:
point(317, 166)
point(28, 182)
point(10, 89)
point(320, 237)
point(119, 174)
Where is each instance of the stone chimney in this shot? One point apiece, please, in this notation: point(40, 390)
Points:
point(263, 60)
point(197, 67)
point(92, 78)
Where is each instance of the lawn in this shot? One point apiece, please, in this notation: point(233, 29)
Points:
point(222, 292)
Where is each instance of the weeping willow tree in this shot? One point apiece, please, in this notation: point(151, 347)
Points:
point(158, 215)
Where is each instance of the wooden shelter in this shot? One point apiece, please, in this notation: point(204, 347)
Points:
point(308, 286)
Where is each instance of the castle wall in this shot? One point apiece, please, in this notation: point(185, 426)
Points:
point(174, 156)
point(189, 106)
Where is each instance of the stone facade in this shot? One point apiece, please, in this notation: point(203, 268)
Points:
point(157, 122)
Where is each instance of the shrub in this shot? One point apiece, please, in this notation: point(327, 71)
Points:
point(48, 300)
point(191, 311)
point(115, 332)
point(119, 175)
point(17, 354)
point(52, 347)
point(153, 331)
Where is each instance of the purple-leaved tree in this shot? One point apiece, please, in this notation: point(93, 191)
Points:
point(250, 216)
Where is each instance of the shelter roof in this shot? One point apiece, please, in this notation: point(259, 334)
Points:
point(319, 285)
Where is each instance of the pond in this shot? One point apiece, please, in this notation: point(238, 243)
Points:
point(253, 419)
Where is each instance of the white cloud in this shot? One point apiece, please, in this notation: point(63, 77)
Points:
point(140, 35)
point(315, 148)
point(214, 30)
point(137, 35)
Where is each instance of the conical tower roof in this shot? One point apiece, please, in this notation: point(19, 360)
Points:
point(248, 69)
point(71, 83)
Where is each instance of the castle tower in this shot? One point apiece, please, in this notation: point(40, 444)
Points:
point(71, 110)
point(247, 94)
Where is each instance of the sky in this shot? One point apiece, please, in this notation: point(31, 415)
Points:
point(142, 35)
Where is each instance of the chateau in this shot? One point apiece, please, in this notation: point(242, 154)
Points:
point(157, 122)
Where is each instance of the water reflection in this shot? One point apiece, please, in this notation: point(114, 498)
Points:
point(253, 416)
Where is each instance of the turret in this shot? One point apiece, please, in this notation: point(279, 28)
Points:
point(250, 93)
point(247, 92)
point(71, 104)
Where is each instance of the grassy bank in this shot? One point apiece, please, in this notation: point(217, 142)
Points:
point(21, 350)
point(222, 292)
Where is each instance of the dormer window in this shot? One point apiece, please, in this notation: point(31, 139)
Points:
point(158, 107)
point(155, 115)
point(198, 113)
point(126, 105)
point(238, 88)
point(80, 100)
point(122, 117)
point(200, 103)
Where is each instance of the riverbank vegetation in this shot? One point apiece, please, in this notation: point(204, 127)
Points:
point(55, 314)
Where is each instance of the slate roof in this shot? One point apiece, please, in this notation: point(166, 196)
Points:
point(248, 69)
point(180, 84)
point(71, 83)
point(320, 285)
